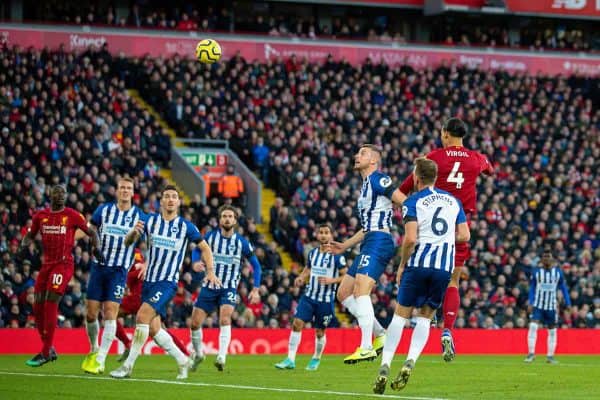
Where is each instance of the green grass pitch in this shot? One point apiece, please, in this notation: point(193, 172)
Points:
point(254, 377)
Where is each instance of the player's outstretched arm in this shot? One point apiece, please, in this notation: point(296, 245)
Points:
point(339, 248)
point(207, 258)
point(301, 279)
point(463, 233)
point(92, 233)
point(398, 197)
point(408, 245)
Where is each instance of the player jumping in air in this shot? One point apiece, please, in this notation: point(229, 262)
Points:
point(542, 298)
point(57, 226)
point(434, 221)
point(228, 248)
point(325, 271)
point(458, 169)
point(376, 250)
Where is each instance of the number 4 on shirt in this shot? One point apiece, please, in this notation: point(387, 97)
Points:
point(456, 176)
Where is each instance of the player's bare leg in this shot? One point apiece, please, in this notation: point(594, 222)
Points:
point(450, 309)
point(293, 343)
point(198, 317)
point(225, 312)
point(366, 316)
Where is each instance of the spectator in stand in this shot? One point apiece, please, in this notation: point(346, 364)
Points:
point(231, 186)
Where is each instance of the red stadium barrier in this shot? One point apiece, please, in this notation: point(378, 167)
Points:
point(134, 43)
point(339, 341)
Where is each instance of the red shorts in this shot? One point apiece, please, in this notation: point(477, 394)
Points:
point(462, 254)
point(130, 304)
point(54, 278)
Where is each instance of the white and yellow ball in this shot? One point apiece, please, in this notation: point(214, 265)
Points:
point(208, 51)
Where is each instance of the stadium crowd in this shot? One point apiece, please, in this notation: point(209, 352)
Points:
point(68, 118)
point(386, 25)
point(541, 134)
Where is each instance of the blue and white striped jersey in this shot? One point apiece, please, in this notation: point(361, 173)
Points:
point(323, 265)
point(374, 202)
point(543, 286)
point(437, 214)
point(113, 225)
point(168, 242)
point(227, 255)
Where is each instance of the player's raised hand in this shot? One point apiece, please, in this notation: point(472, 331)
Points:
point(299, 281)
point(212, 279)
point(141, 268)
point(325, 280)
point(254, 296)
point(334, 247)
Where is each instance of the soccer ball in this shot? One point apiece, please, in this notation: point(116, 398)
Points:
point(208, 51)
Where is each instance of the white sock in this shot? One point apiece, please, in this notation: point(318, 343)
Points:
point(552, 340)
point(140, 335)
point(378, 330)
point(197, 341)
point(295, 338)
point(365, 316)
point(532, 337)
point(392, 339)
point(110, 328)
point(319, 346)
point(165, 341)
point(419, 338)
point(224, 340)
point(92, 329)
point(350, 304)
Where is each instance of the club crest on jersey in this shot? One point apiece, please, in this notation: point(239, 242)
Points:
point(174, 230)
point(231, 247)
point(128, 219)
point(385, 181)
point(326, 258)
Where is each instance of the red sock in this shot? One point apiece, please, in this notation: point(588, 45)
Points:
point(178, 343)
point(50, 316)
point(38, 314)
point(122, 335)
point(450, 307)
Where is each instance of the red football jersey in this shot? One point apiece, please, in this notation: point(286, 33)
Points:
point(58, 233)
point(133, 282)
point(458, 169)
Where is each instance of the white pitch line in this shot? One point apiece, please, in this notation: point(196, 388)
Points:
point(258, 388)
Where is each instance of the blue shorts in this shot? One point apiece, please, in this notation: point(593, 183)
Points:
point(209, 299)
point(546, 317)
point(158, 295)
point(376, 251)
point(323, 313)
point(422, 286)
point(107, 283)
